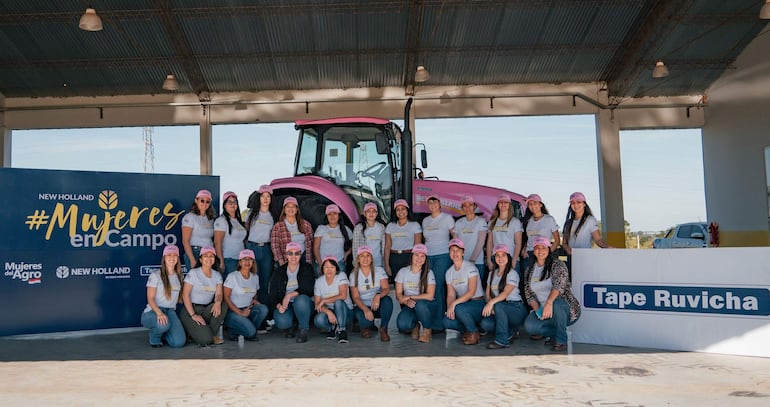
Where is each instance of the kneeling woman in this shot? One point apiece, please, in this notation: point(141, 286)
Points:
point(504, 308)
point(332, 302)
point(291, 287)
point(464, 296)
point(415, 291)
point(202, 297)
point(163, 288)
point(547, 289)
point(245, 312)
point(370, 290)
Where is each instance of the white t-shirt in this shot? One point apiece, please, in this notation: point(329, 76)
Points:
point(545, 226)
point(584, 238)
point(506, 234)
point(367, 286)
point(296, 235)
point(232, 244)
point(411, 280)
point(202, 229)
point(511, 279)
point(332, 241)
point(203, 288)
point(324, 290)
point(468, 232)
point(436, 233)
point(402, 237)
point(259, 232)
point(292, 284)
point(243, 290)
point(543, 288)
point(374, 237)
point(160, 293)
point(458, 279)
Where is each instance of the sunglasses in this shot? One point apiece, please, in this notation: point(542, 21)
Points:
point(231, 202)
point(293, 253)
point(206, 201)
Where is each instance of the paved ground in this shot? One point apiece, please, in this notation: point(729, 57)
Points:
point(119, 368)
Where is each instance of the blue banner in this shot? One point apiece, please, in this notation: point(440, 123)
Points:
point(77, 246)
point(672, 298)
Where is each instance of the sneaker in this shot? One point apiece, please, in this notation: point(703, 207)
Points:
point(261, 331)
point(218, 340)
point(302, 335)
point(495, 345)
point(342, 336)
point(157, 345)
point(332, 334)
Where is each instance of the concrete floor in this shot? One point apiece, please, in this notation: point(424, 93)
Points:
point(118, 367)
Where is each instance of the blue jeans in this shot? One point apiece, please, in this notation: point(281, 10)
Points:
point(439, 264)
point(300, 309)
point(554, 327)
point(467, 316)
point(482, 274)
point(509, 315)
point(196, 253)
point(230, 266)
point(264, 258)
point(341, 311)
point(423, 311)
point(240, 325)
point(384, 312)
point(173, 331)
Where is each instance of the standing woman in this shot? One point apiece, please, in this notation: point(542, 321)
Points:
point(291, 227)
point(332, 239)
point(163, 288)
point(464, 297)
point(581, 229)
point(547, 290)
point(504, 305)
point(204, 309)
point(198, 228)
point(370, 232)
point(245, 313)
point(472, 230)
point(332, 301)
point(229, 233)
point(537, 222)
point(504, 229)
point(400, 236)
point(291, 288)
point(437, 229)
point(415, 291)
point(259, 223)
point(370, 290)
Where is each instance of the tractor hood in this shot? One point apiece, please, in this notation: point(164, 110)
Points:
point(451, 193)
point(323, 187)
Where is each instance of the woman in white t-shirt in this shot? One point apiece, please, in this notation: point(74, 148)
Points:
point(332, 302)
point(504, 228)
point(204, 308)
point(259, 224)
point(581, 230)
point(229, 233)
point(332, 239)
point(401, 235)
point(415, 291)
point(370, 232)
point(245, 313)
point(464, 297)
point(437, 230)
point(369, 289)
point(537, 222)
point(160, 315)
point(472, 230)
point(198, 228)
point(504, 311)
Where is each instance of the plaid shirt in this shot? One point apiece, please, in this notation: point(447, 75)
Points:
point(359, 239)
point(280, 237)
point(560, 281)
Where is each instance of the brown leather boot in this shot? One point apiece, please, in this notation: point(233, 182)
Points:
point(426, 335)
point(416, 331)
point(472, 338)
point(384, 337)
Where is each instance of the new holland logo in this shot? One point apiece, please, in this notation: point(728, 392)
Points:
point(62, 272)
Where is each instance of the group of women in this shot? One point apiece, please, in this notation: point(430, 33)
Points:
point(244, 273)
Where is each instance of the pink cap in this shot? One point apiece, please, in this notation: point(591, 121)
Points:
point(203, 193)
point(468, 198)
point(328, 258)
point(246, 253)
point(420, 248)
point(207, 250)
point(332, 209)
point(501, 248)
point(170, 249)
point(227, 195)
point(433, 198)
point(401, 202)
point(577, 196)
point(290, 200)
point(504, 197)
point(364, 249)
point(541, 241)
point(293, 246)
point(534, 197)
point(457, 242)
point(265, 188)
point(370, 205)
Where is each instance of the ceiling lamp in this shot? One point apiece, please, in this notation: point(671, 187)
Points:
point(764, 12)
point(660, 70)
point(90, 21)
point(170, 83)
point(421, 75)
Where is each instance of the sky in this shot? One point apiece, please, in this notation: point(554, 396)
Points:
point(552, 156)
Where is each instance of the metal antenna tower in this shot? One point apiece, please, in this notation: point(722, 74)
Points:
point(149, 151)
